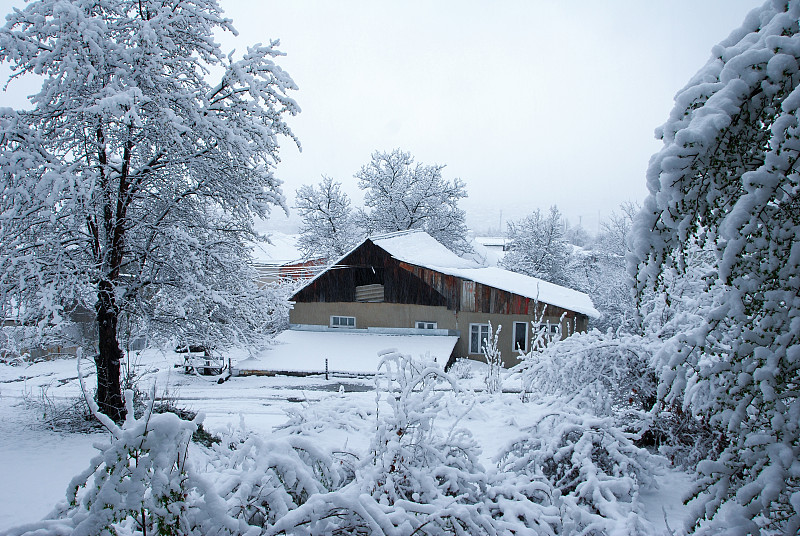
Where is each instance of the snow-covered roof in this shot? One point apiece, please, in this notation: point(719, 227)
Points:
point(348, 351)
point(531, 287)
point(421, 249)
point(281, 249)
point(491, 241)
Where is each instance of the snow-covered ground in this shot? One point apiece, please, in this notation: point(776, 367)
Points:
point(38, 462)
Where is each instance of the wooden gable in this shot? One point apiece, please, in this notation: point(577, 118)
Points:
point(369, 266)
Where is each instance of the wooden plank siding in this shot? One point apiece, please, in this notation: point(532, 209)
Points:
point(369, 265)
point(411, 284)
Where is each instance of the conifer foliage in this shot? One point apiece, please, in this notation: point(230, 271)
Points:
point(130, 186)
point(728, 180)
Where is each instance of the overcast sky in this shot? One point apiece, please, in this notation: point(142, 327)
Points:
point(530, 102)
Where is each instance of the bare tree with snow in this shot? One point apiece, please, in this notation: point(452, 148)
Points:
point(329, 229)
point(402, 194)
point(131, 184)
point(601, 272)
point(538, 247)
point(615, 234)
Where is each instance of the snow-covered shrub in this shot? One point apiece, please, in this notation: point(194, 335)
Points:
point(593, 467)
point(261, 481)
point(12, 349)
point(70, 414)
point(494, 361)
point(604, 373)
point(142, 483)
point(683, 438)
point(461, 369)
point(421, 479)
point(412, 458)
point(138, 483)
point(418, 478)
point(330, 413)
point(544, 332)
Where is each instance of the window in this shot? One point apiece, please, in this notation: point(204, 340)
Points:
point(520, 341)
point(548, 328)
point(343, 321)
point(478, 337)
point(425, 325)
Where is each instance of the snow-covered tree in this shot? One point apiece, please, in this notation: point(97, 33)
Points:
point(601, 272)
point(131, 184)
point(577, 235)
point(615, 234)
point(329, 229)
point(401, 194)
point(538, 247)
point(727, 179)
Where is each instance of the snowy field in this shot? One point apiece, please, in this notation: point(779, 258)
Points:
point(338, 413)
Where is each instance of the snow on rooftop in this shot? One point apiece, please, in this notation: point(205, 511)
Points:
point(420, 248)
point(531, 287)
point(492, 241)
point(282, 248)
point(347, 351)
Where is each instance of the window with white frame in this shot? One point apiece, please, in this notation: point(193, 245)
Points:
point(343, 321)
point(478, 337)
point(520, 340)
point(420, 324)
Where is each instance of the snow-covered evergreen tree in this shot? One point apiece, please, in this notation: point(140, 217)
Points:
point(727, 179)
point(538, 247)
point(133, 178)
point(401, 194)
point(329, 229)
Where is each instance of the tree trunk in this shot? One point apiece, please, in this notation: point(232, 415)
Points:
point(107, 361)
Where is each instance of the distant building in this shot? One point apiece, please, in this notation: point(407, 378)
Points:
point(407, 282)
point(281, 260)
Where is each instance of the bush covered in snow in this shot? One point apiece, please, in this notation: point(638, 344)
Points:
point(601, 372)
point(461, 369)
point(593, 468)
point(494, 362)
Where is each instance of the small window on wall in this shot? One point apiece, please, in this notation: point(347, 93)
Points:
point(478, 337)
point(425, 325)
point(520, 336)
point(343, 321)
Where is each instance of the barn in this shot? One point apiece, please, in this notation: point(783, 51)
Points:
point(408, 283)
